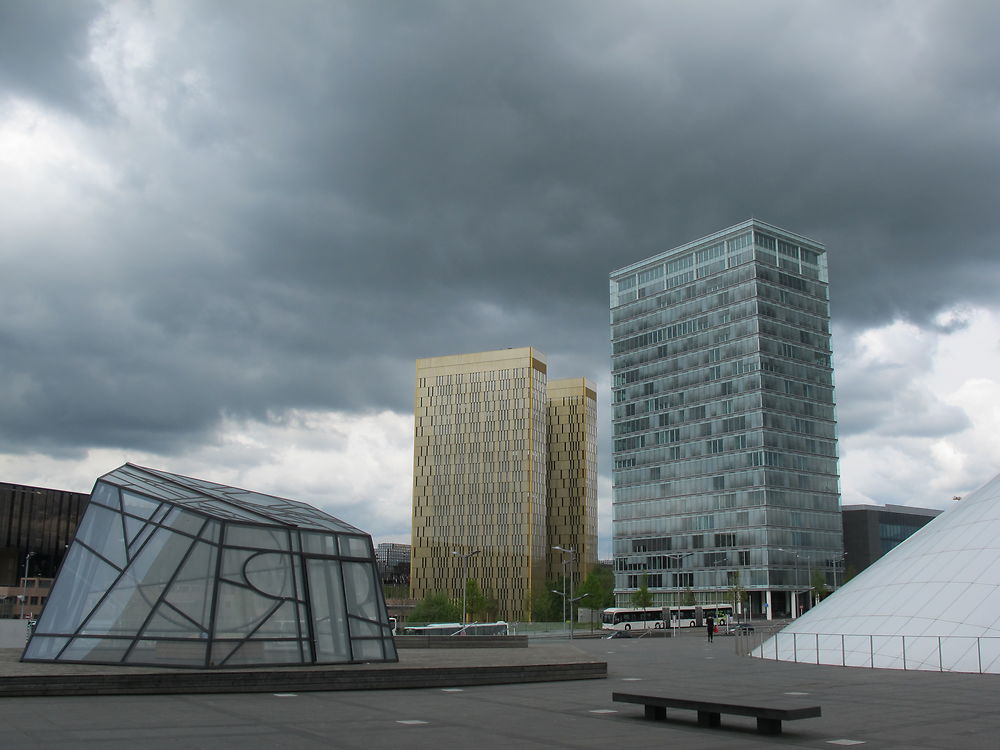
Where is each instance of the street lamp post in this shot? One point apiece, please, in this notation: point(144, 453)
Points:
point(837, 562)
point(679, 557)
point(809, 586)
point(465, 577)
point(572, 558)
point(572, 601)
point(24, 583)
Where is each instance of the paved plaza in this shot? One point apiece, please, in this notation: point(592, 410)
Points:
point(867, 709)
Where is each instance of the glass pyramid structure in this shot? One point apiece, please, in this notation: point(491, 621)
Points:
point(932, 603)
point(167, 570)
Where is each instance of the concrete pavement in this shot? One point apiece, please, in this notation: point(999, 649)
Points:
point(861, 708)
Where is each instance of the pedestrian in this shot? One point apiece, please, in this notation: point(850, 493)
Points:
point(710, 624)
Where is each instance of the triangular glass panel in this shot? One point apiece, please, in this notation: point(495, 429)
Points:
point(101, 530)
point(132, 527)
point(106, 495)
point(167, 622)
point(83, 580)
point(125, 609)
point(192, 589)
point(138, 505)
point(222, 651)
point(137, 543)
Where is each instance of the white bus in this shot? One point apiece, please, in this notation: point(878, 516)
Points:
point(695, 616)
point(633, 618)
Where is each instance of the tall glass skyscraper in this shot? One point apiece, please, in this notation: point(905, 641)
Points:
point(725, 445)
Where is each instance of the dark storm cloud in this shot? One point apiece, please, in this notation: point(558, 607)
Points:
point(44, 48)
point(311, 195)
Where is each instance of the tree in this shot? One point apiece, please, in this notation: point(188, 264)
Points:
point(480, 607)
point(599, 585)
point(687, 599)
point(642, 597)
point(436, 607)
point(546, 606)
point(737, 594)
point(818, 583)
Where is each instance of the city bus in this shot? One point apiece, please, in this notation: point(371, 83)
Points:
point(695, 616)
point(636, 618)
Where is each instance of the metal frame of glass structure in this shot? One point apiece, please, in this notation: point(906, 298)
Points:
point(167, 570)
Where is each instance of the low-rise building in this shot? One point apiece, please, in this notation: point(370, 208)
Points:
point(872, 530)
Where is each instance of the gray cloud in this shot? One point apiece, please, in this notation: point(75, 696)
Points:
point(43, 51)
point(306, 196)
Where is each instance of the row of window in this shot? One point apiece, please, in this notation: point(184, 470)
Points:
point(733, 247)
point(778, 507)
point(813, 312)
point(728, 520)
point(657, 449)
point(700, 288)
point(478, 376)
point(713, 483)
point(674, 324)
point(760, 536)
point(684, 270)
point(791, 578)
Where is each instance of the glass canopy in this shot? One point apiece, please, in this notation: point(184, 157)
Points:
point(932, 603)
point(168, 570)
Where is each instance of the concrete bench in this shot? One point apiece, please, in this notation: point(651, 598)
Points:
point(769, 713)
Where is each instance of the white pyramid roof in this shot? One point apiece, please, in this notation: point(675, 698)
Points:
point(933, 602)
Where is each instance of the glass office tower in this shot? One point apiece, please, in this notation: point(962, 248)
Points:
point(725, 449)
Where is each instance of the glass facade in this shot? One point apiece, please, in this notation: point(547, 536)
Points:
point(725, 455)
point(172, 571)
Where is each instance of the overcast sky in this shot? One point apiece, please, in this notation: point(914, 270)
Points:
point(228, 229)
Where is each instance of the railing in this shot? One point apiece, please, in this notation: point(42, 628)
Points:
point(907, 652)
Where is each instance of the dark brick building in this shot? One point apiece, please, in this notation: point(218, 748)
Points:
point(37, 520)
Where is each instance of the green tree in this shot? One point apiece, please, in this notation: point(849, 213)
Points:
point(436, 607)
point(480, 607)
point(546, 606)
point(818, 583)
point(737, 595)
point(687, 598)
point(641, 597)
point(599, 585)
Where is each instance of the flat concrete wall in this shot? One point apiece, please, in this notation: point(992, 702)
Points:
point(461, 641)
point(13, 633)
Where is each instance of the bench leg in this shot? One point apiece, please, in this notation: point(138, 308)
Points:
point(656, 712)
point(708, 719)
point(769, 726)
